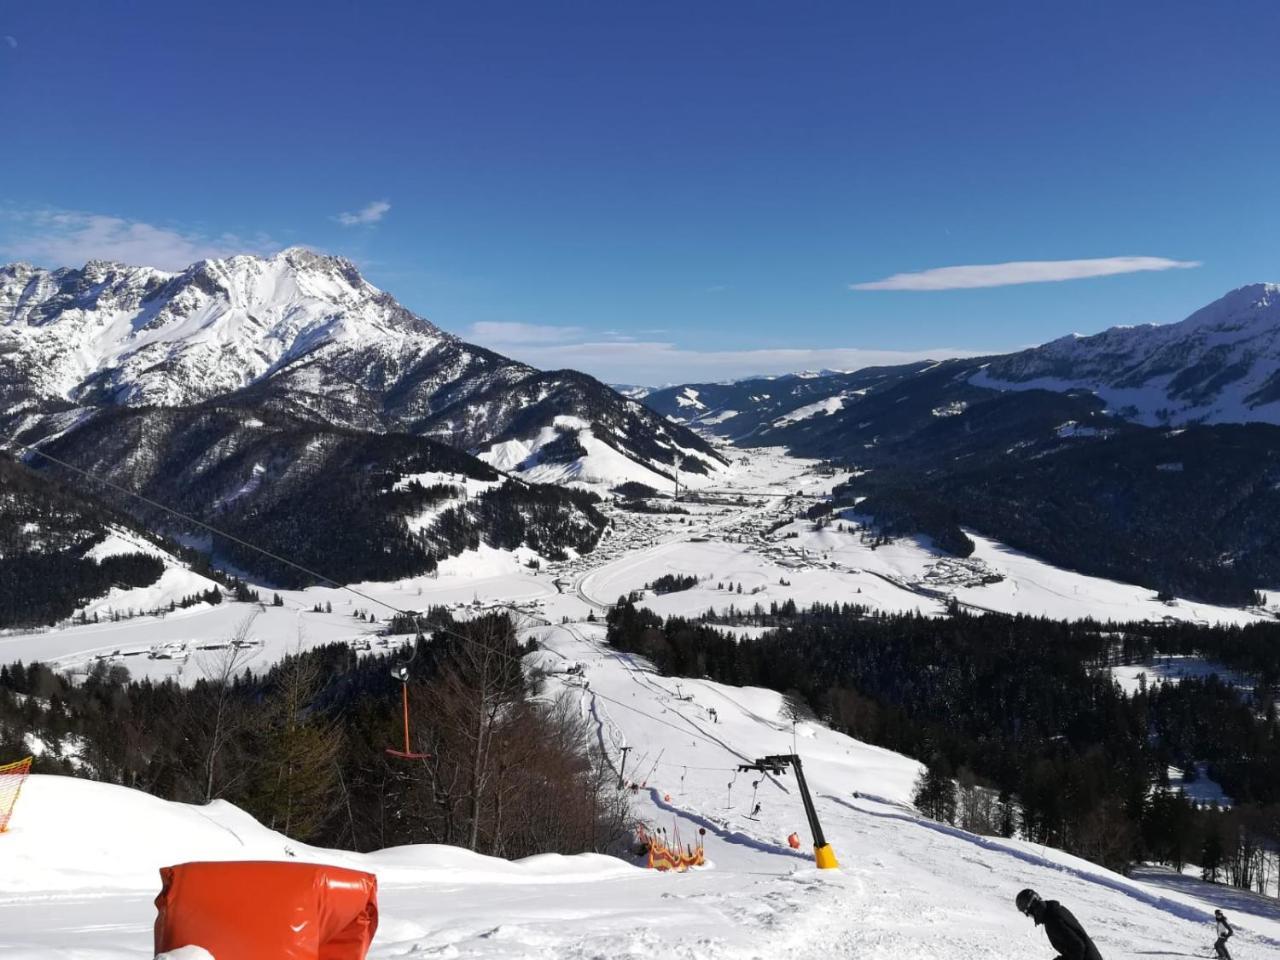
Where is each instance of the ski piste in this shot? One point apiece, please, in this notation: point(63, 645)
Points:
point(81, 859)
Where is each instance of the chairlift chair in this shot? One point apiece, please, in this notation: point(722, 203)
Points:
point(401, 673)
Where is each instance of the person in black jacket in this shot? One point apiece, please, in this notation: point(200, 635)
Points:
point(1062, 929)
point(1224, 931)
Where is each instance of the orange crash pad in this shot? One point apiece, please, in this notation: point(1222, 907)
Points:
point(267, 910)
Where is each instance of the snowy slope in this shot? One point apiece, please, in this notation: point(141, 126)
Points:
point(80, 863)
point(176, 583)
point(1219, 365)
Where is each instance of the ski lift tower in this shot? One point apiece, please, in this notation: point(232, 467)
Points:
point(823, 855)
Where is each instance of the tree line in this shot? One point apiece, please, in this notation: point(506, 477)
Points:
point(302, 746)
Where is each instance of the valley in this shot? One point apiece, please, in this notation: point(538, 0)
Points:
point(756, 543)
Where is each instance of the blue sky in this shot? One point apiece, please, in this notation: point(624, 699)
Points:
point(668, 191)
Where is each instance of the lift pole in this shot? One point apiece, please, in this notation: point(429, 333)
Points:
point(623, 766)
point(823, 855)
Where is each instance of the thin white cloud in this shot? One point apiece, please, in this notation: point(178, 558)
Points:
point(488, 332)
point(369, 213)
point(1020, 271)
point(658, 362)
point(59, 238)
point(11, 41)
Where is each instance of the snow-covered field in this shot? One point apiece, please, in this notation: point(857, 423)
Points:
point(77, 872)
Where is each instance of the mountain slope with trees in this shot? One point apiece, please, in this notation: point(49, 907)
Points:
point(346, 504)
point(1145, 454)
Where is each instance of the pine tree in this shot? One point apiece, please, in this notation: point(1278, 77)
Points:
point(1211, 854)
point(935, 792)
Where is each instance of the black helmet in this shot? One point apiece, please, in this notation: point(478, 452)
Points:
point(1026, 901)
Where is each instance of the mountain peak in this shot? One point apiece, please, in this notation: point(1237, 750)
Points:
point(1250, 303)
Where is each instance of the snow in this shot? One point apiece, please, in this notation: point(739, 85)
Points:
point(952, 409)
point(827, 407)
point(79, 867)
point(1173, 668)
point(1203, 790)
point(724, 542)
point(1074, 429)
point(718, 417)
point(603, 465)
point(464, 486)
point(1142, 372)
point(688, 397)
point(220, 325)
point(176, 582)
point(81, 860)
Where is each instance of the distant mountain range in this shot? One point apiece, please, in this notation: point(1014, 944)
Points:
point(1149, 454)
point(251, 389)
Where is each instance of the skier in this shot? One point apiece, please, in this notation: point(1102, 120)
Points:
point(1062, 929)
point(1224, 933)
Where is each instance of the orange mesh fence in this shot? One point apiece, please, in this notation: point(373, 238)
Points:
point(12, 777)
point(667, 852)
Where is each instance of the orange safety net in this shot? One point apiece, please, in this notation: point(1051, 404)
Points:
point(12, 777)
point(670, 853)
point(267, 910)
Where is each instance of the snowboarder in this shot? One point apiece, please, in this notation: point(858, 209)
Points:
point(1224, 933)
point(1062, 929)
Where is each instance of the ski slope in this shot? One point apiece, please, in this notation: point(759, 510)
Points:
point(78, 872)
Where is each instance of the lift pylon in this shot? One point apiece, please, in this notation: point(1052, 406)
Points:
point(777, 764)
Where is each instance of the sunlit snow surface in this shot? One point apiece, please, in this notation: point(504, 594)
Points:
point(78, 871)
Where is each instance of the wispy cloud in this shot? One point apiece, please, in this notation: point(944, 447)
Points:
point(617, 360)
point(369, 213)
point(1020, 271)
point(57, 238)
point(490, 332)
point(11, 41)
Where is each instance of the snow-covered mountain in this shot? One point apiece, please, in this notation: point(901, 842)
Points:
point(1149, 454)
point(298, 333)
point(1219, 365)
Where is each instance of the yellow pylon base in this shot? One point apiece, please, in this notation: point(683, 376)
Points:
point(825, 857)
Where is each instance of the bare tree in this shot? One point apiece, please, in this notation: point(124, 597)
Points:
point(217, 717)
point(479, 682)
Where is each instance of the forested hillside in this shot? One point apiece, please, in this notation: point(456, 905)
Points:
point(47, 535)
point(1026, 706)
point(302, 746)
point(346, 504)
